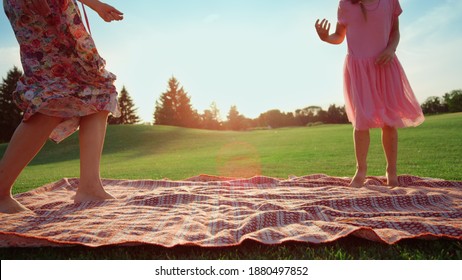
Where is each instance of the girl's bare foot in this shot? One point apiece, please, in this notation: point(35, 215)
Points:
point(9, 205)
point(358, 179)
point(392, 179)
point(93, 194)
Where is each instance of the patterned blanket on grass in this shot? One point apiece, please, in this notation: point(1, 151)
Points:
point(216, 212)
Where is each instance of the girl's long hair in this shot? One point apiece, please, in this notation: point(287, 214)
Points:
point(363, 9)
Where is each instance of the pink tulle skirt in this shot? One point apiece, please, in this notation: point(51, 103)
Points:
point(378, 96)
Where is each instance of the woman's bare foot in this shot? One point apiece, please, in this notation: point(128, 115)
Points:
point(9, 205)
point(92, 194)
point(358, 179)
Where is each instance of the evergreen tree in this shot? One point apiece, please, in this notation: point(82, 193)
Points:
point(174, 107)
point(211, 118)
point(10, 115)
point(127, 111)
point(236, 121)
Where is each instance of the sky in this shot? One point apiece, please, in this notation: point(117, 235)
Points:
point(258, 55)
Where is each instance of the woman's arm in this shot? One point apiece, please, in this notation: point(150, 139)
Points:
point(105, 11)
point(323, 30)
point(389, 53)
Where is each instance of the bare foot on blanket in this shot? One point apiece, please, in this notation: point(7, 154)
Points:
point(392, 179)
point(358, 179)
point(92, 194)
point(10, 205)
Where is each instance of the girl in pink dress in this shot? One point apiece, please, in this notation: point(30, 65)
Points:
point(65, 86)
point(377, 91)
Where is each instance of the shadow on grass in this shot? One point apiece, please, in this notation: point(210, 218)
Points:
point(349, 248)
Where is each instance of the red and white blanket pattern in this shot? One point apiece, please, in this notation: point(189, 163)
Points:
point(210, 211)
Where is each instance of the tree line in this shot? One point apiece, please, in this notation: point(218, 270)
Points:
point(450, 102)
point(174, 108)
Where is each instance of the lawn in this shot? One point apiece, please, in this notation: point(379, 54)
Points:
point(152, 152)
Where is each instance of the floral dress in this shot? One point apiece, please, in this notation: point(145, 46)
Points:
point(64, 76)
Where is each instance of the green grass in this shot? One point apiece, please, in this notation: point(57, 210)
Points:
point(146, 152)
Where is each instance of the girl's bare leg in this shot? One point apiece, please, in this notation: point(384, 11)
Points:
point(361, 141)
point(390, 147)
point(91, 136)
point(26, 142)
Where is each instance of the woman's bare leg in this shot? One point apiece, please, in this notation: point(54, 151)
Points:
point(390, 147)
point(91, 136)
point(361, 141)
point(26, 142)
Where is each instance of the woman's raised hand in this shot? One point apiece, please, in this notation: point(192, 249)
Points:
point(107, 12)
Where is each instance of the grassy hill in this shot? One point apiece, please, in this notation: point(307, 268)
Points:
point(153, 152)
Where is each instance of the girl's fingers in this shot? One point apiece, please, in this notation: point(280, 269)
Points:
point(324, 25)
point(319, 23)
point(383, 60)
point(322, 28)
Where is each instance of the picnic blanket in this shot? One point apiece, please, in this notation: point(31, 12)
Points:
point(212, 211)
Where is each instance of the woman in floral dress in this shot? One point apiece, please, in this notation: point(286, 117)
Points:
point(65, 87)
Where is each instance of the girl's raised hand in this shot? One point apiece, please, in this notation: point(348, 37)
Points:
point(34, 7)
point(323, 29)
